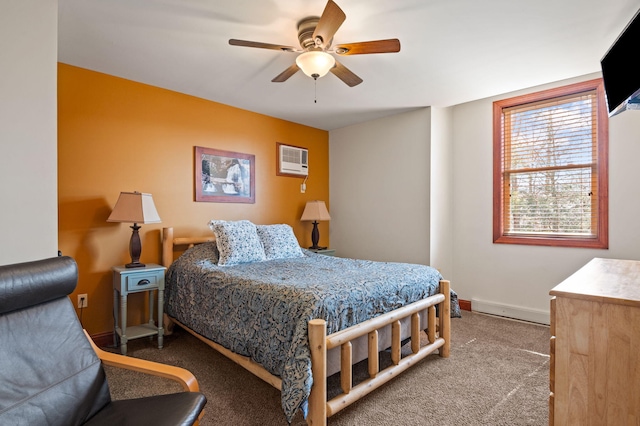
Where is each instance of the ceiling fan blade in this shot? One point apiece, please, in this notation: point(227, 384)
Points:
point(329, 22)
point(260, 45)
point(284, 75)
point(346, 75)
point(391, 45)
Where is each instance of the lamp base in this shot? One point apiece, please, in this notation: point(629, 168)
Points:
point(135, 248)
point(315, 237)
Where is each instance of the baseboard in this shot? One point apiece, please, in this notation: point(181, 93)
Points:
point(465, 305)
point(103, 340)
point(510, 311)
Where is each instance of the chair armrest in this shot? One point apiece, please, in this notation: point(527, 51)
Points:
point(177, 374)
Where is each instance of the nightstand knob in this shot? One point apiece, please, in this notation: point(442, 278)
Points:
point(143, 282)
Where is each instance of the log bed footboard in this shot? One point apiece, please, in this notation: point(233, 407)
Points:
point(438, 334)
point(319, 407)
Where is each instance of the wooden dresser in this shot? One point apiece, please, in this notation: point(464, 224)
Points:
point(595, 345)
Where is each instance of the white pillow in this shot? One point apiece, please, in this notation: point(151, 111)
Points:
point(279, 242)
point(237, 242)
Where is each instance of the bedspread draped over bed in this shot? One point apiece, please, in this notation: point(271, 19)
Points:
point(261, 309)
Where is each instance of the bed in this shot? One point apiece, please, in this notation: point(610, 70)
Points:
point(293, 317)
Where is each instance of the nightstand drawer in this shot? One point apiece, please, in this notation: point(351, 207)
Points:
point(141, 282)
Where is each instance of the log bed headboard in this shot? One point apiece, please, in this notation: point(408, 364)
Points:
point(169, 242)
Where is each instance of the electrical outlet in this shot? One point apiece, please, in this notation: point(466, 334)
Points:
point(83, 301)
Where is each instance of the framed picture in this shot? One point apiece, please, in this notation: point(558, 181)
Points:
point(224, 176)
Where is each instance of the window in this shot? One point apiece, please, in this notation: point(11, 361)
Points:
point(550, 178)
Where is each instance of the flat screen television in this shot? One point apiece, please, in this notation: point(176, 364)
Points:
point(620, 73)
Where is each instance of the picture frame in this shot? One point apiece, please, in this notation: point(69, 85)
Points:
point(224, 176)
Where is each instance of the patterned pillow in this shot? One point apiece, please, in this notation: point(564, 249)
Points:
point(237, 242)
point(279, 242)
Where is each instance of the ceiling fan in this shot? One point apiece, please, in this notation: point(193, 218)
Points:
point(315, 35)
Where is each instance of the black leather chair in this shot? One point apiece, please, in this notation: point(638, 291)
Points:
point(51, 372)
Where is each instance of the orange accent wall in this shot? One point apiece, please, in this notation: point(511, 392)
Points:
point(118, 135)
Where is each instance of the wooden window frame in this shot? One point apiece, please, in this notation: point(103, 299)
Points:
point(601, 238)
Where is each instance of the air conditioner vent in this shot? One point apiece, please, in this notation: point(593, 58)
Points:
point(294, 160)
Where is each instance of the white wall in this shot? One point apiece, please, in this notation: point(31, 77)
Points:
point(379, 171)
point(380, 188)
point(515, 280)
point(442, 169)
point(28, 139)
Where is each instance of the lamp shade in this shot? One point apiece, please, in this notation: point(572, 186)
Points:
point(315, 63)
point(315, 211)
point(134, 207)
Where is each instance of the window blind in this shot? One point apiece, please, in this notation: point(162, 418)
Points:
point(550, 167)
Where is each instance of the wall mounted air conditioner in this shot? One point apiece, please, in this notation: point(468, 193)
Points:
point(293, 160)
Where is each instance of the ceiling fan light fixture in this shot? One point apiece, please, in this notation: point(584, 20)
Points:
point(315, 63)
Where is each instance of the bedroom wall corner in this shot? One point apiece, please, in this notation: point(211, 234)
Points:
point(442, 191)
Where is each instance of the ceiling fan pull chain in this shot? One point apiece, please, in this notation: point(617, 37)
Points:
point(315, 90)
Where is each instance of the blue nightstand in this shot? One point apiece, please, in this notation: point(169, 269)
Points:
point(134, 280)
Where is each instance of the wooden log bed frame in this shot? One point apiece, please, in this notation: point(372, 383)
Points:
point(320, 408)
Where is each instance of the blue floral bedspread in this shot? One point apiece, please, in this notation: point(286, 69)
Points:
point(261, 309)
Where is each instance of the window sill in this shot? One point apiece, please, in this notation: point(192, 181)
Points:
point(592, 243)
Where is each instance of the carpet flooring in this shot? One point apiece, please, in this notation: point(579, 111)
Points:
point(497, 374)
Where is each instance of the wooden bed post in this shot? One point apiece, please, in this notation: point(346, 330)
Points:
point(445, 318)
point(167, 246)
point(317, 414)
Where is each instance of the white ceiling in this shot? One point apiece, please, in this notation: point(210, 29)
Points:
point(453, 51)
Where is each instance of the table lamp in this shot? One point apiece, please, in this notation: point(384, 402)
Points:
point(315, 211)
point(134, 207)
